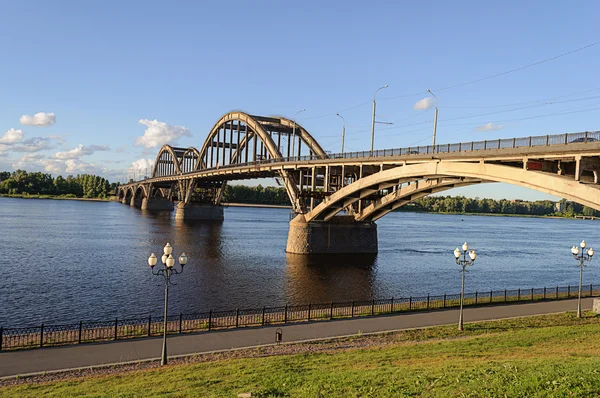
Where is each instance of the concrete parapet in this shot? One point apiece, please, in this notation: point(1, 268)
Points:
point(198, 212)
point(157, 204)
point(339, 235)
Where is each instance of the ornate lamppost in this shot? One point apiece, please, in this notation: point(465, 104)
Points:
point(579, 255)
point(464, 262)
point(166, 272)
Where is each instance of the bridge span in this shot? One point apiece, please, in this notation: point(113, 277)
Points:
point(336, 198)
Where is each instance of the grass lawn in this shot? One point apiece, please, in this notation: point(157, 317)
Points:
point(553, 355)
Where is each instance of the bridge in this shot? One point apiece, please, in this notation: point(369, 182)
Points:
point(336, 198)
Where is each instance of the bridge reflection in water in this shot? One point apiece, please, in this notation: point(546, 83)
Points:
point(364, 186)
point(317, 278)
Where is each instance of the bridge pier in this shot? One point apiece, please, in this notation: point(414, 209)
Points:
point(135, 202)
point(194, 211)
point(157, 204)
point(341, 234)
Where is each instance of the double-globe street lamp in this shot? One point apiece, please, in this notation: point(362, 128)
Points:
point(166, 272)
point(464, 263)
point(579, 255)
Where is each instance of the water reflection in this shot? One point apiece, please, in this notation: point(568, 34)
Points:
point(318, 278)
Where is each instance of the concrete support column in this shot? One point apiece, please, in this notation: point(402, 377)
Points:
point(341, 234)
point(156, 204)
point(193, 211)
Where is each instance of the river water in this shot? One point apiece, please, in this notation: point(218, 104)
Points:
point(65, 261)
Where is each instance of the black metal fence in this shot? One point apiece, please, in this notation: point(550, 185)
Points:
point(120, 329)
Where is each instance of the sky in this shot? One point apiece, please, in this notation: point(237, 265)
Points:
point(98, 86)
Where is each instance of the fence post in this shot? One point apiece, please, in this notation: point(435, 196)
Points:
point(514, 142)
point(80, 327)
point(180, 321)
point(149, 324)
point(309, 308)
point(331, 312)
point(491, 296)
point(285, 315)
point(116, 324)
point(531, 294)
point(392, 305)
point(591, 290)
point(373, 307)
point(568, 291)
point(352, 313)
point(42, 335)
point(519, 294)
point(410, 303)
point(209, 318)
point(1, 338)
point(263, 316)
point(237, 317)
point(544, 293)
point(428, 301)
point(476, 294)
point(444, 300)
point(556, 291)
point(505, 295)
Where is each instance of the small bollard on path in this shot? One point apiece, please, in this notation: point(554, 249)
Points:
point(596, 306)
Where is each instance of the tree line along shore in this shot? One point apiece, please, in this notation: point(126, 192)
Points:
point(20, 183)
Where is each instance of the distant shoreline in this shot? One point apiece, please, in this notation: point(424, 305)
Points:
point(52, 197)
point(258, 205)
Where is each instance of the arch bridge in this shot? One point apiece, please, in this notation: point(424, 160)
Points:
point(336, 198)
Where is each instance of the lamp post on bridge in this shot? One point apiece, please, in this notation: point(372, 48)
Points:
point(166, 272)
point(435, 116)
point(294, 131)
point(464, 263)
point(579, 255)
point(343, 130)
point(373, 117)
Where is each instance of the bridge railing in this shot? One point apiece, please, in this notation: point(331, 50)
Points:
point(473, 146)
point(502, 143)
point(46, 335)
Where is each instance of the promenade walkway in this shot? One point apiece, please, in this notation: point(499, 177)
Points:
point(24, 362)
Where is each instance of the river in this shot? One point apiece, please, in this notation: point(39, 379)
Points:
point(65, 261)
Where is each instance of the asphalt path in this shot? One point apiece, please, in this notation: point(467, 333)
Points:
point(50, 359)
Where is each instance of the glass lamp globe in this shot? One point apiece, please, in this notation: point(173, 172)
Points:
point(582, 244)
point(591, 252)
point(472, 255)
point(163, 258)
point(183, 259)
point(168, 249)
point(465, 246)
point(575, 250)
point(152, 260)
point(170, 261)
point(457, 252)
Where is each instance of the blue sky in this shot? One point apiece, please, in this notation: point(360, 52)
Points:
point(101, 67)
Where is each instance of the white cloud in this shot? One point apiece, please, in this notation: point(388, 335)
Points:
point(489, 127)
point(159, 133)
point(80, 150)
point(142, 166)
point(12, 136)
point(423, 104)
point(40, 119)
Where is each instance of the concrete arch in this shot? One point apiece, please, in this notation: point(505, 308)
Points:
point(193, 153)
point(411, 192)
point(562, 186)
point(166, 149)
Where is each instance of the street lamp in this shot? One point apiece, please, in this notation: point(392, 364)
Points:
point(434, 119)
point(166, 272)
point(294, 131)
point(373, 117)
point(582, 258)
point(463, 263)
point(343, 130)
